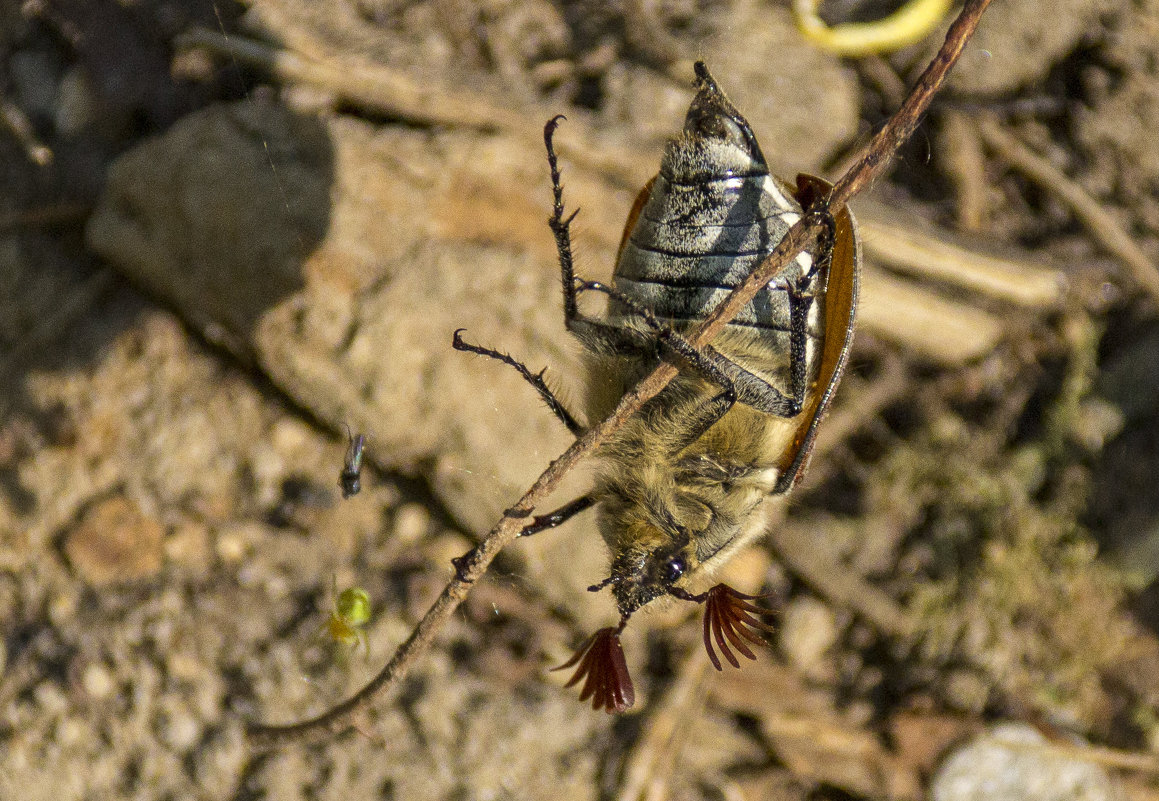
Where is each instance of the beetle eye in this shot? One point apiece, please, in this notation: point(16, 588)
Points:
point(674, 569)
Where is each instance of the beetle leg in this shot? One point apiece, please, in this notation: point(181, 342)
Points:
point(738, 383)
point(702, 418)
point(561, 226)
point(668, 336)
point(559, 516)
point(798, 321)
point(596, 336)
point(535, 379)
point(825, 242)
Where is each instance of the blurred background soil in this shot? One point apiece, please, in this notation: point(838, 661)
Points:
point(228, 231)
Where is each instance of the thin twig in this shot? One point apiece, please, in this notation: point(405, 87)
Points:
point(901, 125)
point(966, 164)
point(1103, 227)
point(469, 569)
point(472, 566)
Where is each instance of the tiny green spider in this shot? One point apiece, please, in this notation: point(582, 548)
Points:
point(351, 612)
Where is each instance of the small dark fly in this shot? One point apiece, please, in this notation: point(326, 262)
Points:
point(350, 479)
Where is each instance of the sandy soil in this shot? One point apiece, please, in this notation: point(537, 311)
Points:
point(208, 268)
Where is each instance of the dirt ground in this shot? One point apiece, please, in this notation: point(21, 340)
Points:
point(229, 231)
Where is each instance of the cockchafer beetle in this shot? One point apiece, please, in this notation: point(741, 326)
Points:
point(682, 482)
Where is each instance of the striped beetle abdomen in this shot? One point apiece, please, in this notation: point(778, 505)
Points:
point(711, 214)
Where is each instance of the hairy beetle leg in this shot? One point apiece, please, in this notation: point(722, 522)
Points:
point(535, 379)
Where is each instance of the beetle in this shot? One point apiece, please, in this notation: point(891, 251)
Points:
point(681, 483)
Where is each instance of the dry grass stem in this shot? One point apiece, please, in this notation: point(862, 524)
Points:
point(920, 250)
point(884, 78)
point(966, 163)
point(835, 752)
point(374, 88)
point(1138, 761)
point(864, 399)
point(925, 323)
point(18, 124)
point(838, 585)
point(657, 748)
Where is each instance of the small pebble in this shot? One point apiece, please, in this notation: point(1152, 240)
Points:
point(34, 75)
point(50, 698)
point(411, 522)
point(72, 731)
point(182, 666)
point(1004, 764)
point(115, 542)
point(62, 606)
point(181, 731)
point(233, 542)
point(188, 544)
point(291, 436)
point(77, 105)
point(967, 690)
point(808, 632)
point(98, 682)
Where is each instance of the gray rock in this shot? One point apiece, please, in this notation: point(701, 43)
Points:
point(1013, 762)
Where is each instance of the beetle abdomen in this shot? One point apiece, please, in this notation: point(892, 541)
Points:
point(694, 241)
point(712, 215)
